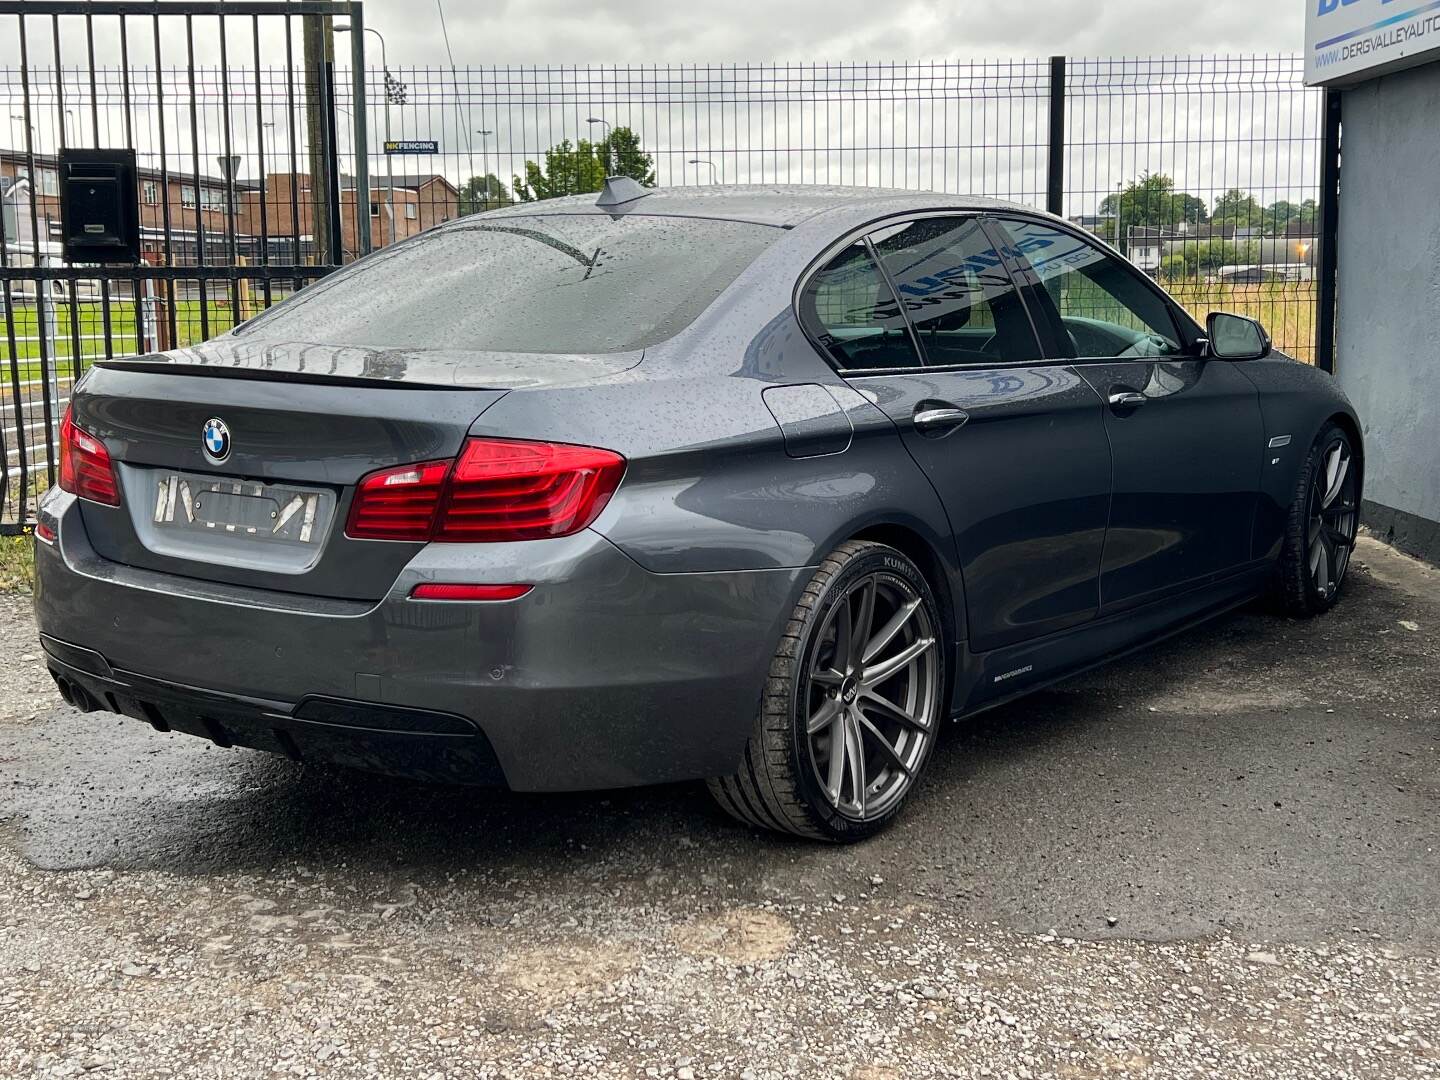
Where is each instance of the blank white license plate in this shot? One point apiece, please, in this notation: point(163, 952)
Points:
point(199, 504)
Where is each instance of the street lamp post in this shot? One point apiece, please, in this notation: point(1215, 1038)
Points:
point(608, 129)
point(704, 161)
point(389, 168)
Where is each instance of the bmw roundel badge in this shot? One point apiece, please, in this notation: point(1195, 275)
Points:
point(216, 440)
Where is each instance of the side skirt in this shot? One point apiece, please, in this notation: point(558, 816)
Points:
point(985, 680)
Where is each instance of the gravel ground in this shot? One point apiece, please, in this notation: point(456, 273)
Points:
point(1215, 859)
point(25, 687)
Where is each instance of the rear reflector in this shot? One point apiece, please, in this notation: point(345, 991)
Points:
point(85, 468)
point(496, 490)
point(439, 591)
point(44, 532)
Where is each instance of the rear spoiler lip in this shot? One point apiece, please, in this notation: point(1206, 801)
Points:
point(270, 375)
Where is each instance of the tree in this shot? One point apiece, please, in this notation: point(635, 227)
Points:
point(1174, 267)
point(1280, 215)
point(1192, 209)
point(1197, 257)
point(481, 193)
point(1237, 208)
point(1153, 202)
point(623, 156)
point(576, 169)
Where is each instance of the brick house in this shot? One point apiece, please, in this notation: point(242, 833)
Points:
point(195, 206)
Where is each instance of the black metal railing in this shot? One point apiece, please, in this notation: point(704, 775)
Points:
point(267, 170)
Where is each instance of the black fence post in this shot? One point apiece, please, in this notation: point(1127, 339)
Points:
point(336, 254)
point(1327, 290)
point(1055, 169)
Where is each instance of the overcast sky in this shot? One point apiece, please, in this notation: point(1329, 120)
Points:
point(570, 31)
point(666, 31)
point(972, 128)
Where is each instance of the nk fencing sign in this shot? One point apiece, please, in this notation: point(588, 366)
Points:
point(1350, 40)
point(412, 146)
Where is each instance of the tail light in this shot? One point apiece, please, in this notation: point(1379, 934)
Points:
point(497, 489)
point(85, 468)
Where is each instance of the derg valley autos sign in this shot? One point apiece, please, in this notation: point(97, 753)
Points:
point(1350, 40)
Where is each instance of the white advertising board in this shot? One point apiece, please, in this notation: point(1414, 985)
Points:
point(1350, 40)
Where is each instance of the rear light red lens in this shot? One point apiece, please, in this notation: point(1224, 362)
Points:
point(437, 591)
point(85, 467)
point(44, 532)
point(398, 504)
point(506, 490)
point(498, 489)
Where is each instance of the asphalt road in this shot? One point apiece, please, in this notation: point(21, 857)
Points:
point(1218, 853)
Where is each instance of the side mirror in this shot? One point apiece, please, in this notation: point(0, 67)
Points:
point(1235, 337)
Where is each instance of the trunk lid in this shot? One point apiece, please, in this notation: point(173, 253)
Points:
point(303, 424)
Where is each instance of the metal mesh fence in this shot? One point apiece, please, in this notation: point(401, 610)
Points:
point(1205, 171)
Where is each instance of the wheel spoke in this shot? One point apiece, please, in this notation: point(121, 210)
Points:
point(842, 634)
point(878, 673)
point(1336, 469)
point(1338, 537)
point(1317, 549)
point(881, 743)
point(826, 677)
point(835, 775)
point(824, 716)
point(1324, 563)
point(887, 633)
point(870, 699)
point(855, 759)
point(863, 624)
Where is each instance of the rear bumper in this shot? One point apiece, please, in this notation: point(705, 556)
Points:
point(604, 675)
point(412, 743)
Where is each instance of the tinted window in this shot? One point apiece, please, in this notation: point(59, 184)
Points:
point(960, 298)
point(563, 284)
point(849, 307)
point(1107, 309)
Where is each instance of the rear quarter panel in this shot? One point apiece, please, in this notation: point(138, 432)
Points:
point(710, 485)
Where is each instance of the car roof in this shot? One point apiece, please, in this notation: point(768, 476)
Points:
point(782, 205)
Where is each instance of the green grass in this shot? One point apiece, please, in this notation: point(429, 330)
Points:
point(17, 562)
point(91, 321)
point(1287, 309)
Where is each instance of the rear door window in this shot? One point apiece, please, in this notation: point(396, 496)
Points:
point(959, 295)
point(580, 283)
point(849, 309)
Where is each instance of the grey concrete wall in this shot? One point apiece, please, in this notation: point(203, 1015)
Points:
point(1389, 322)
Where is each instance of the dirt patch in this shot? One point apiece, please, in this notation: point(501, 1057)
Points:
point(561, 973)
point(742, 936)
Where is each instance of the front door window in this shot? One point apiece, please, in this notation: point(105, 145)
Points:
point(1107, 310)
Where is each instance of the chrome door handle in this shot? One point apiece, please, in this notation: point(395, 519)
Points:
point(1127, 399)
point(929, 419)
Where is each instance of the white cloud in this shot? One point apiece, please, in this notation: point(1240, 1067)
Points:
point(662, 31)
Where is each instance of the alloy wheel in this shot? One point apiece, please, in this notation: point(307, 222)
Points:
point(872, 696)
point(1332, 518)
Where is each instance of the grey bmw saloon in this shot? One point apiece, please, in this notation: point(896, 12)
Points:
point(758, 486)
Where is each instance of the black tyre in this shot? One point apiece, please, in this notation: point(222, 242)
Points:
point(1320, 530)
point(852, 705)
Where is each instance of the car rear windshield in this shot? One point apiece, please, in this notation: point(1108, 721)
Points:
point(556, 284)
